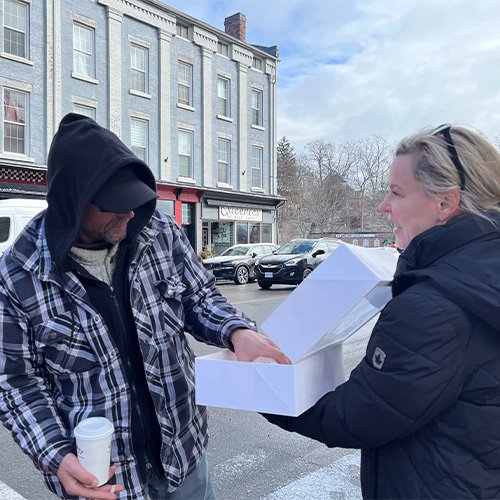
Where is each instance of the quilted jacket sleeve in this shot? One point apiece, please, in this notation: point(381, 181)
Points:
point(412, 371)
point(27, 408)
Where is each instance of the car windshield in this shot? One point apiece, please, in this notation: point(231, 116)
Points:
point(296, 248)
point(235, 251)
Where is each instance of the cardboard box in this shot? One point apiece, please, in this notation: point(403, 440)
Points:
point(348, 289)
point(223, 381)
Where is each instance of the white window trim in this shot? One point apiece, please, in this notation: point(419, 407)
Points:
point(141, 117)
point(183, 178)
point(27, 36)
point(90, 25)
point(27, 137)
point(190, 88)
point(227, 163)
point(137, 92)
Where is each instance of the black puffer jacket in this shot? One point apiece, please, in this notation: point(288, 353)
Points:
point(424, 404)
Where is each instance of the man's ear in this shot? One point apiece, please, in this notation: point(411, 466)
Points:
point(450, 202)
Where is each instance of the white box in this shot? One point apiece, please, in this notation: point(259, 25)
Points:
point(267, 387)
point(339, 297)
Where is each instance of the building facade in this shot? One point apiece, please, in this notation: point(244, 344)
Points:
point(196, 103)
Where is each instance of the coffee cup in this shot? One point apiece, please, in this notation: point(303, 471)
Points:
point(93, 444)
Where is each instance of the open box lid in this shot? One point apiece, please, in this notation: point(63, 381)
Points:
point(348, 289)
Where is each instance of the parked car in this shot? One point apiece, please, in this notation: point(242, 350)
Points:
point(15, 213)
point(237, 263)
point(293, 262)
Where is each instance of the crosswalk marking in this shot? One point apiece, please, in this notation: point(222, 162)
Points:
point(7, 493)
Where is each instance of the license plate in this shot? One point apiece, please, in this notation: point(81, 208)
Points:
point(268, 275)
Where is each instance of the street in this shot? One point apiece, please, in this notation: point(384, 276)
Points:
point(250, 458)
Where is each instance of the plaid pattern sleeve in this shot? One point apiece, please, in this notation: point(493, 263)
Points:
point(210, 317)
point(27, 407)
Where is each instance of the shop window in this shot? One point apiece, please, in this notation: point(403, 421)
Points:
point(167, 206)
point(266, 231)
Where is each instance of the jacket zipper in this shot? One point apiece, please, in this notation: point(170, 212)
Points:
point(131, 382)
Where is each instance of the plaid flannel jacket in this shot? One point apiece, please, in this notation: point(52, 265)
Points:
point(58, 362)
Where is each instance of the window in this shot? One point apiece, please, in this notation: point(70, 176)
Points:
point(257, 63)
point(257, 167)
point(139, 68)
point(84, 110)
point(139, 138)
point(15, 28)
point(223, 49)
point(186, 213)
point(14, 121)
point(366, 243)
point(185, 154)
point(224, 163)
point(223, 97)
point(83, 50)
point(182, 30)
point(185, 81)
point(257, 107)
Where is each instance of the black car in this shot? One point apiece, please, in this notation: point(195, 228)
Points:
point(293, 262)
point(237, 263)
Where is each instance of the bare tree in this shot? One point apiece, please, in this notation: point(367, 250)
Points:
point(329, 164)
point(368, 176)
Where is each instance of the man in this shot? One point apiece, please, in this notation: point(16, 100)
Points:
point(95, 296)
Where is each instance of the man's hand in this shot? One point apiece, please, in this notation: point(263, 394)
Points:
point(249, 345)
point(79, 482)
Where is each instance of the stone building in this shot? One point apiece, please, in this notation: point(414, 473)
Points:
point(198, 104)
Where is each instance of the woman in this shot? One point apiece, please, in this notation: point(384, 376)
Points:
point(424, 403)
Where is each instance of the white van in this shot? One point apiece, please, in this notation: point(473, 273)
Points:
point(15, 213)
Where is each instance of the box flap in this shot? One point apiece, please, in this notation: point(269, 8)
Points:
point(334, 301)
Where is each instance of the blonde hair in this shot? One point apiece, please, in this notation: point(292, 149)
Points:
point(437, 173)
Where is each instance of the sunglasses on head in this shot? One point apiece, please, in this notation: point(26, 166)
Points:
point(444, 132)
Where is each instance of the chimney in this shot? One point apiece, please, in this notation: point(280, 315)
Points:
point(236, 25)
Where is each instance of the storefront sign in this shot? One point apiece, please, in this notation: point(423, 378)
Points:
point(240, 213)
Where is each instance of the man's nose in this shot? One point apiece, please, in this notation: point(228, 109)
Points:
point(128, 215)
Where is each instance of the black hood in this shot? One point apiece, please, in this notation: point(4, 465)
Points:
point(82, 157)
point(460, 258)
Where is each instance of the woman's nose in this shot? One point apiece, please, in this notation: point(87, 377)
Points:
point(384, 206)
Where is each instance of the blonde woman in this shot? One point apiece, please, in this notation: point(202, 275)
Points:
point(424, 403)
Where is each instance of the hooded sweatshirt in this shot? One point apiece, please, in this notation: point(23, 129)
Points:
point(82, 157)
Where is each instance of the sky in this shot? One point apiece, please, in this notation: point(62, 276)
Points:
point(355, 68)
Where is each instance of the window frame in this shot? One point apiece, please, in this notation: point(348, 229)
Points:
point(188, 84)
point(257, 168)
point(258, 63)
point(224, 163)
point(6, 124)
point(256, 111)
point(90, 110)
point(182, 30)
point(224, 101)
point(89, 55)
point(140, 147)
point(223, 49)
point(26, 7)
point(190, 143)
point(142, 71)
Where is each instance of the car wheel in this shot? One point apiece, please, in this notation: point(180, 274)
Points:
point(306, 273)
point(241, 276)
point(264, 286)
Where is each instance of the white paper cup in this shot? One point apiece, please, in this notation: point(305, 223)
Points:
point(93, 443)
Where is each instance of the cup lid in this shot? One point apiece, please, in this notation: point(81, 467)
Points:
point(94, 428)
